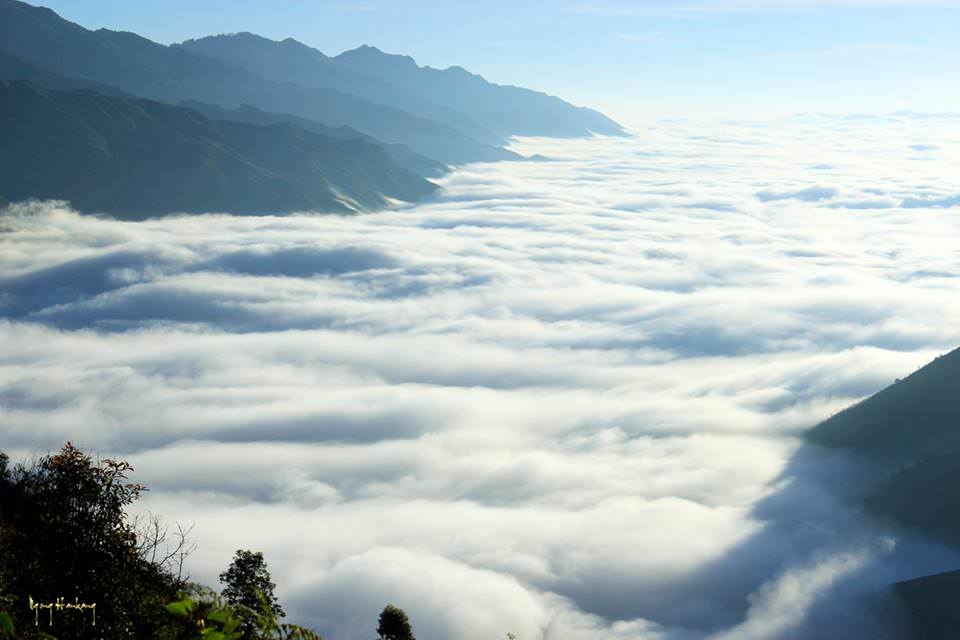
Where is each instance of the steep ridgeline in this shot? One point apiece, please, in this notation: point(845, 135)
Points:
point(917, 415)
point(506, 110)
point(293, 61)
point(465, 101)
point(144, 68)
point(136, 158)
point(402, 154)
point(911, 430)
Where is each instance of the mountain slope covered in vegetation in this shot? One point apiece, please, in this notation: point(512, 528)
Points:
point(135, 158)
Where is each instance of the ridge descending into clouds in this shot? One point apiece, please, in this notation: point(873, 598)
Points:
point(559, 400)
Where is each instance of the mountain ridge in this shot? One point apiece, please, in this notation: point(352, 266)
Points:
point(910, 433)
point(493, 113)
point(136, 158)
point(924, 400)
point(242, 87)
point(145, 68)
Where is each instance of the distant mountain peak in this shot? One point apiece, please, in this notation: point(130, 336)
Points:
point(254, 43)
point(449, 115)
point(242, 35)
point(236, 36)
point(369, 53)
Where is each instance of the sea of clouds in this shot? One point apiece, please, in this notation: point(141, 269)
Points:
point(563, 399)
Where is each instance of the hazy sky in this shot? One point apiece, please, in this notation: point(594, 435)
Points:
point(631, 59)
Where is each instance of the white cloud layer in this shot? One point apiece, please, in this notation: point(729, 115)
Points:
point(561, 400)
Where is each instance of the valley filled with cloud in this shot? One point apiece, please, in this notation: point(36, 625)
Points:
point(561, 398)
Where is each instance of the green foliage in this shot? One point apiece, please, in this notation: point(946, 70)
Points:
point(7, 629)
point(394, 624)
point(64, 534)
point(250, 590)
point(248, 582)
point(182, 608)
point(6, 625)
point(208, 617)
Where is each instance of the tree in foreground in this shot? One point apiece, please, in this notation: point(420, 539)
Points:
point(64, 534)
point(250, 590)
point(394, 624)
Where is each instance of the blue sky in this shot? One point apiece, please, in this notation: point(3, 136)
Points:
point(631, 59)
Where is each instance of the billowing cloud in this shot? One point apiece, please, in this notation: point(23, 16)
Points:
point(561, 399)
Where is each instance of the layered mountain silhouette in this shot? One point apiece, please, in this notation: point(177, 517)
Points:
point(485, 111)
point(451, 116)
point(295, 62)
point(911, 432)
point(360, 129)
point(139, 66)
point(13, 68)
point(134, 158)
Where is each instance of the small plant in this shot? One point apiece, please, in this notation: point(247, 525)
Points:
point(7, 629)
point(206, 619)
point(211, 618)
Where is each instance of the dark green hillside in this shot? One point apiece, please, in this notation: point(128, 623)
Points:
point(924, 495)
point(135, 158)
point(917, 415)
point(911, 430)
